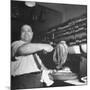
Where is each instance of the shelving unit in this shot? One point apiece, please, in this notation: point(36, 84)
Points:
point(73, 31)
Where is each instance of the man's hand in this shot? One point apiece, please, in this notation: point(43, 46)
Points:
point(48, 48)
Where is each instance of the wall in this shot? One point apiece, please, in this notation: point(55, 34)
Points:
point(49, 19)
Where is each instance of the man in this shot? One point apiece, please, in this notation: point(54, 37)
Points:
point(26, 65)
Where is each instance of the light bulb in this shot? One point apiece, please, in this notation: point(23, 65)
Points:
point(30, 4)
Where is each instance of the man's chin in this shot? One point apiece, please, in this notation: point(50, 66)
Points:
point(26, 40)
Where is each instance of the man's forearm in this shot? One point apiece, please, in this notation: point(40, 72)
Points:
point(30, 48)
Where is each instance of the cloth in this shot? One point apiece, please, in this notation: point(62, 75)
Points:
point(74, 49)
point(83, 50)
point(22, 64)
point(45, 78)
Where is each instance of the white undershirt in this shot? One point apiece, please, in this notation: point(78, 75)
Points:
point(23, 64)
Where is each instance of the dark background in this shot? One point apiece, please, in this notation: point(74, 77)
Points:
point(41, 17)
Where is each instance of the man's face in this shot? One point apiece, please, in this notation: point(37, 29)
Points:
point(26, 33)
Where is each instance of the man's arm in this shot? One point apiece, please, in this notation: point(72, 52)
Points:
point(30, 48)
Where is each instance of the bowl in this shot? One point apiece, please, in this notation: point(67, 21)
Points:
point(64, 76)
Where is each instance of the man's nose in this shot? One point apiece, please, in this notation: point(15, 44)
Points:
point(26, 32)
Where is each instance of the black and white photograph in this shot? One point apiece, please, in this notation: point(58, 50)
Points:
point(48, 45)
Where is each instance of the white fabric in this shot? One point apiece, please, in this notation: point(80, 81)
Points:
point(23, 64)
point(15, 45)
point(74, 49)
point(66, 69)
point(45, 78)
point(84, 47)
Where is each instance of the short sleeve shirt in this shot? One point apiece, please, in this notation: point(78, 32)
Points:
point(22, 64)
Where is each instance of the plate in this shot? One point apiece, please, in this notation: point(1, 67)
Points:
point(58, 75)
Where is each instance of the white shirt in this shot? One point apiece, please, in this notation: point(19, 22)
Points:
point(76, 49)
point(23, 64)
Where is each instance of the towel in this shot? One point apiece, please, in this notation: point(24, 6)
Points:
point(45, 77)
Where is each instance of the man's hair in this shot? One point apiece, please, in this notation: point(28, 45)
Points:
point(25, 26)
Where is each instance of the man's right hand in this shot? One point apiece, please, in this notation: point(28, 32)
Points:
point(48, 48)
